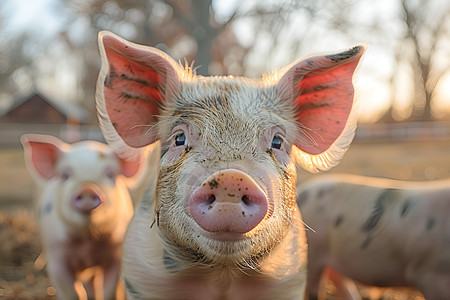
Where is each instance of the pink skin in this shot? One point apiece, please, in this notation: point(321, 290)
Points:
point(228, 201)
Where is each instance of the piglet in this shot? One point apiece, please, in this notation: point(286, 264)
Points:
point(378, 232)
point(220, 220)
point(84, 208)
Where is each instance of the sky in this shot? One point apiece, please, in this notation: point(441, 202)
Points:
point(39, 17)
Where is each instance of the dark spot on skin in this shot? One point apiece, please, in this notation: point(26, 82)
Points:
point(320, 87)
point(47, 208)
point(138, 80)
point(322, 192)
point(378, 211)
point(107, 82)
point(130, 288)
point(366, 242)
point(302, 198)
point(108, 78)
point(312, 105)
point(213, 183)
point(345, 55)
point(209, 207)
point(405, 207)
point(243, 213)
point(170, 264)
point(339, 220)
point(126, 96)
point(430, 223)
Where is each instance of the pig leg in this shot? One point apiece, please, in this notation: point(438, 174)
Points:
point(62, 279)
point(313, 281)
point(345, 287)
point(111, 276)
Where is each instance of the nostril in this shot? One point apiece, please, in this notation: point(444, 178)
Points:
point(211, 199)
point(246, 200)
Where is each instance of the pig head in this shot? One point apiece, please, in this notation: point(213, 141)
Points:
point(84, 208)
point(221, 220)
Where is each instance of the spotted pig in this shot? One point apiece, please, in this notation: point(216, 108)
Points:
point(221, 220)
point(378, 232)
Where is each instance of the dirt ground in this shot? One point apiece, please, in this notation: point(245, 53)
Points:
point(19, 243)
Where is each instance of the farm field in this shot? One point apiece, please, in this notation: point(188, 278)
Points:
point(19, 247)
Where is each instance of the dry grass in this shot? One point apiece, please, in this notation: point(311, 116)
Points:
point(19, 246)
point(19, 278)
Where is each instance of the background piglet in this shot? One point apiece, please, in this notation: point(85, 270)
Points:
point(84, 210)
point(378, 232)
point(221, 221)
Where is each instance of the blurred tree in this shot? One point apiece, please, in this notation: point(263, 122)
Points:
point(427, 27)
point(240, 38)
point(426, 30)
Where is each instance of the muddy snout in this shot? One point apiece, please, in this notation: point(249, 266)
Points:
point(228, 201)
point(86, 199)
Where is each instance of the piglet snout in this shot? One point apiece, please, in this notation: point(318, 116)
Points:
point(86, 199)
point(228, 201)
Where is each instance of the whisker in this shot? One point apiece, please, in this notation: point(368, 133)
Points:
point(308, 227)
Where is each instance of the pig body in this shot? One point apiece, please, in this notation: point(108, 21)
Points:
point(219, 220)
point(84, 208)
point(379, 232)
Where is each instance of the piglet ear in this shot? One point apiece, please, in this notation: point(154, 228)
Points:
point(130, 166)
point(42, 153)
point(134, 84)
point(322, 90)
point(143, 174)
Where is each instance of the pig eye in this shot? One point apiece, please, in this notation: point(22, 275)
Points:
point(65, 175)
point(276, 142)
point(110, 174)
point(180, 140)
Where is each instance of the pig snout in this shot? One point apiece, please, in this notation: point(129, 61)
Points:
point(86, 200)
point(228, 201)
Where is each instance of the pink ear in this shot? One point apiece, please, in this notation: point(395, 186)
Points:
point(322, 90)
point(130, 167)
point(136, 86)
point(42, 154)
